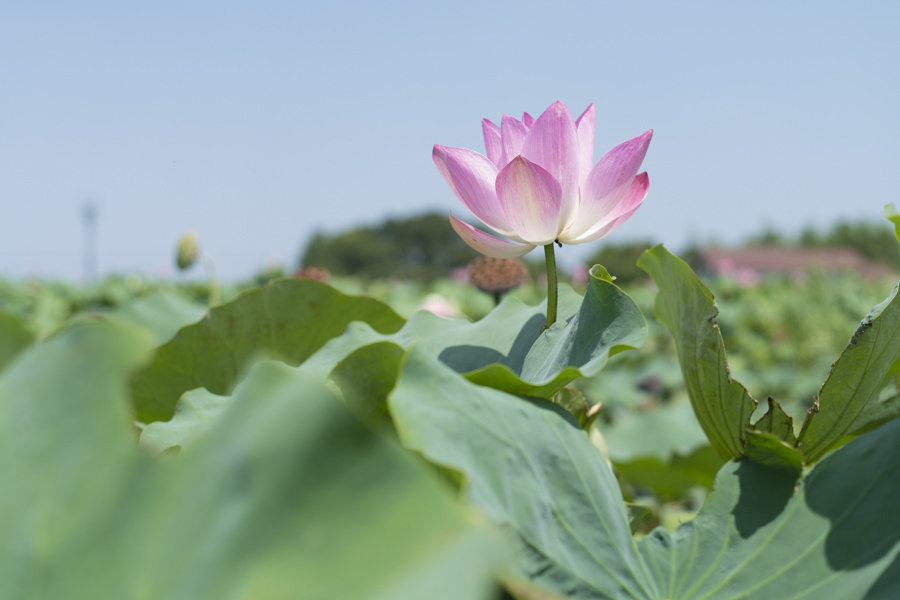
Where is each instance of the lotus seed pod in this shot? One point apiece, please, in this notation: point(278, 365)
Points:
point(497, 275)
point(314, 273)
point(187, 251)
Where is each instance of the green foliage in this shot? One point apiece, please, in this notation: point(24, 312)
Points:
point(529, 467)
point(508, 349)
point(423, 248)
point(724, 407)
point(891, 214)
point(277, 478)
point(162, 312)
point(289, 319)
point(686, 307)
point(14, 337)
point(286, 495)
point(855, 380)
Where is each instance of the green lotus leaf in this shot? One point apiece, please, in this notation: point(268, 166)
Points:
point(855, 380)
point(196, 413)
point(508, 350)
point(760, 534)
point(14, 337)
point(287, 496)
point(288, 319)
point(163, 313)
point(687, 308)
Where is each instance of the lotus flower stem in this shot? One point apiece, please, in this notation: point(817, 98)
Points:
point(210, 265)
point(550, 256)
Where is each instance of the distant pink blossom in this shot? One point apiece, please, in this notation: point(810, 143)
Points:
point(440, 306)
point(460, 275)
point(539, 184)
point(580, 274)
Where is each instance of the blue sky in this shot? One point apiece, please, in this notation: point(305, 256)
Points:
point(257, 124)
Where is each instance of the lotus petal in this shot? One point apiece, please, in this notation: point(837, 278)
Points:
point(608, 182)
point(586, 126)
point(513, 132)
point(528, 120)
point(552, 143)
point(492, 141)
point(472, 178)
point(630, 203)
point(486, 243)
point(531, 198)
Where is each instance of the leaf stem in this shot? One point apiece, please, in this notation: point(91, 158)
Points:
point(210, 265)
point(550, 257)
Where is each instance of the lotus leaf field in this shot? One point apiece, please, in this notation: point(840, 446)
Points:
point(305, 440)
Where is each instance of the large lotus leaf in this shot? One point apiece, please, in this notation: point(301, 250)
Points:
point(364, 379)
point(196, 413)
point(288, 318)
point(759, 535)
point(366, 376)
point(507, 349)
point(877, 413)
point(14, 337)
point(687, 308)
point(288, 496)
point(532, 469)
point(163, 313)
point(856, 379)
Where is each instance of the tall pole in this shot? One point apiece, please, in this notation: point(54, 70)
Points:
point(89, 220)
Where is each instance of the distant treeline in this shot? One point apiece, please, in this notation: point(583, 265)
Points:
point(426, 248)
point(875, 241)
point(422, 247)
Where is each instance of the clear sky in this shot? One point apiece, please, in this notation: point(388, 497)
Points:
point(258, 123)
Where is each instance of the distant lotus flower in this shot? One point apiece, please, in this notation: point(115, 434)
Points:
point(440, 306)
point(538, 183)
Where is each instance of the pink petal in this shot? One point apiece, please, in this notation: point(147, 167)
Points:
point(528, 120)
point(608, 182)
point(513, 132)
point(586, 125)
point(486, 243)
point(552, 143)
point(531, 198)
point(492, 141)
point(472, 177)
point(630, 203)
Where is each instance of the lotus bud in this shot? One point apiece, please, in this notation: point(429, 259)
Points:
point(187, 251)
point(497, 275)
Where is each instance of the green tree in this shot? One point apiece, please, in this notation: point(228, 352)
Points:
point(422, 247)
point(873, 240)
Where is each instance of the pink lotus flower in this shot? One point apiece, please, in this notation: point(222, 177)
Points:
point(538, 183)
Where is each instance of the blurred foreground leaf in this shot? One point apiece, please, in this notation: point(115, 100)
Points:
point(163, 313)
point(196, 413)
point(288, 319)
point(757, 536)
point(287, 497)
point(14, 337)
